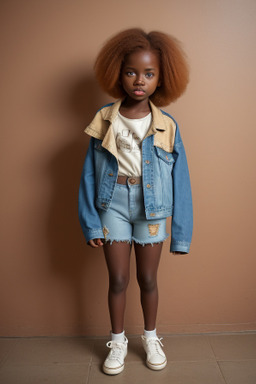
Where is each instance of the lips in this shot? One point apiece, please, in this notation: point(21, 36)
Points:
point(139, 92)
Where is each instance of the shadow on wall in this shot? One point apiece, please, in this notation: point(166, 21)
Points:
point(71, 260)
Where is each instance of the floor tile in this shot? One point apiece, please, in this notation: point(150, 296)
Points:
point(199, 372)
point(37, 351)
point(52, 374)
point(239, 372)
point(233, 347)
point(134, 372)
point(6, 345)
point(187, 348)
point(176, 372)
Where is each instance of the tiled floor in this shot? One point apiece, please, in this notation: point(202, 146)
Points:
point(192, 359)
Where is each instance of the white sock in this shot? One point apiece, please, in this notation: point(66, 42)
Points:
point(119, 337)
point(150, 333)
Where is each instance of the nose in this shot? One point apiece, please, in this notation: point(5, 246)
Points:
point(139, 80)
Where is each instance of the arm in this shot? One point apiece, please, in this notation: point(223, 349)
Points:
point(88, 215)
point(182, 219)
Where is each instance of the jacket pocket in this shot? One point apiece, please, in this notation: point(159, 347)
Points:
point(167, 157)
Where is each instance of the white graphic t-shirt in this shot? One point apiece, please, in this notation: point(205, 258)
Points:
point(129, 134)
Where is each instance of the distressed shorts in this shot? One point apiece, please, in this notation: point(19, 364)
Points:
point(125, 219)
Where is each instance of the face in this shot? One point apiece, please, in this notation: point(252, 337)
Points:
point(140, 74)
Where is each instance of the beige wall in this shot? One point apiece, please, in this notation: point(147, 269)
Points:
point(51, 282)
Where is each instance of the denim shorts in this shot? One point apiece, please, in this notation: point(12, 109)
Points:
point(125, 219)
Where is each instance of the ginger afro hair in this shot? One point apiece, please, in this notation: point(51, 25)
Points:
point(174, 72)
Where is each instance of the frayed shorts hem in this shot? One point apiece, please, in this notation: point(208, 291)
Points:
point(151, 241)
point(111, 241)
point(143, 243)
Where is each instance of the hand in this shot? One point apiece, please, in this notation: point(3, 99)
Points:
point(95, 243)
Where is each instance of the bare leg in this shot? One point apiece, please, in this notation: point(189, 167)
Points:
point(147, 260)
point(118, 262)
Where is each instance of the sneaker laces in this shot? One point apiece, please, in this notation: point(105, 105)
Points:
point(117, 349)
point(153, 344)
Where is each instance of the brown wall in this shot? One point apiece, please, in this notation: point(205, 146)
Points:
point(51, 282)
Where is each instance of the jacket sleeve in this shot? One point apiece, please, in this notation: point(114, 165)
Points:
point(182, 219)
point(88, 215)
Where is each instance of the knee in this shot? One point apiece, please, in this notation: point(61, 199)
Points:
point(147, 283)
point(118, 284)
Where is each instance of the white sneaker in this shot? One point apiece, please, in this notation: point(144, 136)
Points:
point(114, 362)
point(156, 358)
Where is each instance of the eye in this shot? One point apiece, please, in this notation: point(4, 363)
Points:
point(149, 75)
point(130, 73)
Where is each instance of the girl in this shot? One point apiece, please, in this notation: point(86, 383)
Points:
point(135, 175)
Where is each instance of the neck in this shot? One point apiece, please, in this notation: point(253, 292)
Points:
point(135, 109)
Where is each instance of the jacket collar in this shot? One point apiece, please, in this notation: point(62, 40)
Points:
point(162, 127)
point(158, 122)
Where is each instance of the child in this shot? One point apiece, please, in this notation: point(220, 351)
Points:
point(135, 175)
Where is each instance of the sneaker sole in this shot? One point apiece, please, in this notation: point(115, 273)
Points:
point(155, 367)
point(113, 371)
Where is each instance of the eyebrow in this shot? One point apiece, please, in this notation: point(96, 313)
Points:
point(146, 69)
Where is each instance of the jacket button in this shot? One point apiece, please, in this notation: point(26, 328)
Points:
point(152, 214)
point(148, 186)
point(103, 204)
point(167, 158)
point(110, 174)
point(147, 161)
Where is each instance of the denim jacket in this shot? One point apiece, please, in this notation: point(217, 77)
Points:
point(165, 175)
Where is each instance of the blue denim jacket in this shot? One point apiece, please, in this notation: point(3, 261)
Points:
point(165, 175)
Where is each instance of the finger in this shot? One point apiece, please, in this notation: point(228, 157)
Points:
point(92, 243)
point(99, 242)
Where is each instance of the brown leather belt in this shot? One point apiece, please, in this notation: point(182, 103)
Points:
point(132, 180)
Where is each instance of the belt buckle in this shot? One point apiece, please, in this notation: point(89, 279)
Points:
point(132, 180)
